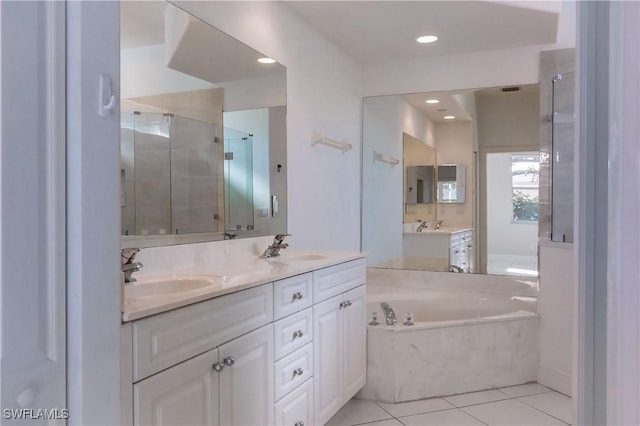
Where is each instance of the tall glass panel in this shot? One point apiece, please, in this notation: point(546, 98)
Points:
point(561, 161)
point(238, 173)
point(194, 176)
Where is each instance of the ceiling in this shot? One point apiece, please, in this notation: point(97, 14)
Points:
point(381, 31)
point(433, 112)
point(192, 46)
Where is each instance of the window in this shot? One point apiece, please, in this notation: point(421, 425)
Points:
point(525, 169)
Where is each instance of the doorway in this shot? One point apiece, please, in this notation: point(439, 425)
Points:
point(512, 212)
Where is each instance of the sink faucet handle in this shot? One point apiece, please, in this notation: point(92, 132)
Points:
point(128, 254)
point(279, 238)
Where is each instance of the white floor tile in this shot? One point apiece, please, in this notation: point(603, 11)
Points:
point(357, 411)
point(388, 422)
point(475, 398)
point(525, 390)
point(455, 417)
point(510, 413)
point(553, 403)
point(415, 407)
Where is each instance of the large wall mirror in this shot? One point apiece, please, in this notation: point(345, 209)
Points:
point(464, 194)
point(203, 131)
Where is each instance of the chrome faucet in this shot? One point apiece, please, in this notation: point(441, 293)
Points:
point(278, 244)
point(127, 264)
point(389, 315)
point(439, 224)
point(423, 225)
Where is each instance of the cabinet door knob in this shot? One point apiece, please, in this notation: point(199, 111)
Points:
point(298, 372)
point(298, 333)
point(299, 423)
point(218, 367)
point(343, 305)
point(229, 361)
point(349, 303)
point(297, 295)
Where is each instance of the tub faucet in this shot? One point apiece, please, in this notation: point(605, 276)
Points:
point(127, 264)
point(423, 225)
point(389, 315)
point(277, 245)
point(439, 224)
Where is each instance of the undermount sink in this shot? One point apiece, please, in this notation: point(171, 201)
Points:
point(170, 285)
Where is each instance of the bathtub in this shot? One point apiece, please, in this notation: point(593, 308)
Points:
point(461, 341)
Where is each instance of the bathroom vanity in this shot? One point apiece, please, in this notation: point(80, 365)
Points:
point(277, 341)
point(438, 250)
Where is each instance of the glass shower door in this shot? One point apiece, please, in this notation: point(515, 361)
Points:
point(238, 180)
point(562, 161)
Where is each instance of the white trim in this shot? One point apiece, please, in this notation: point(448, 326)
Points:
point(623, 267)
point(591, 195)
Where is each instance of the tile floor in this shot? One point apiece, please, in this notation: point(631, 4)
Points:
point(526, 266)
point(527, 405)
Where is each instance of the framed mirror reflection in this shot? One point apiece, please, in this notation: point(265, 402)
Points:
point(473, 181)
point(203, 131)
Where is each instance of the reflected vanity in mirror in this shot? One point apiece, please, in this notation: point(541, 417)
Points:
point(460, 207)
point(203, 132)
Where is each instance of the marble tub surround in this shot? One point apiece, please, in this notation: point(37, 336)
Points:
point(408, 281)
point(231, 266)
point(469, 334)
point(423, 363)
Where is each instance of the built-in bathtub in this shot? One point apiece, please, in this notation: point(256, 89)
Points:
point(465, 337)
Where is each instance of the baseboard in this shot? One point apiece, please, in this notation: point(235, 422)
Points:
point(555, 380)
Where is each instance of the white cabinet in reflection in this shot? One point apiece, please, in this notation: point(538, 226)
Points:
point(442, 250)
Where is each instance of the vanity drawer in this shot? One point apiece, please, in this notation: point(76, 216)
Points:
point(293, 370)
point(166, 339)
point(293, 332)
point(297, 407)
point(331, 281)
point(292, 295)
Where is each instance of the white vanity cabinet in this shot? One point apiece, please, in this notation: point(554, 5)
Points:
point(339, 341)
point(269, 355)
point(438, 250)
point(212, 388)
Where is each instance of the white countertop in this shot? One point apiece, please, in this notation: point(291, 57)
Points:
point(235, 275)
point(441, 231)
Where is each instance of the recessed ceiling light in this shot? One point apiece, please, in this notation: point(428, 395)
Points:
point(449, 117)
point(267, 61)
point(432, 101)
point(426, 39)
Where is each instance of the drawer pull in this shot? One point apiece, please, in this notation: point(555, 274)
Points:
point(218, 367)
point(298, 372)
point(297, 295)
point(298, 333)
point(299, 423)
point(343, 305)
point(229, 361)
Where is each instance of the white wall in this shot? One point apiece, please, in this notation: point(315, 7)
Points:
point(503, 236)
point(454, 145)
point(384, 121)
point(556, 307)
point(323, 94)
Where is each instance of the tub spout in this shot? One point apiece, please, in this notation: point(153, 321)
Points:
point(389, 315)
